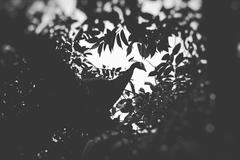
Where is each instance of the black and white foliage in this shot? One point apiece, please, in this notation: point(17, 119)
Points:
point(45, 67)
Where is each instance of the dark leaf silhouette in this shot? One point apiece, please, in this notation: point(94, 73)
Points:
point(176, 49)
point(79, 48)
point(179, 59)
point(79, 35)
point(104, 46)
point(87, 53)
point(100, 49)
point(119, 41)
point(112, 39)
point(124, 39)
point(95, 45)
point(130, 59)
point(160, 66)
point(153, 73)
point(129, 49)
point(166, 57)
point(168, 70)
point(132, 87)
point(162, 69)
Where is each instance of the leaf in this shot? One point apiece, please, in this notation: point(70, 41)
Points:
point(130, 59)
point(119, 41)
point(87, 53)
point(166, 57)
point(176, 49)
point(100, 49)
point(111, 42)
point(162, 69)
point(79, 35)
point(132, 87)
point(153, 73)
point(179, 59)
point(168, 70)
point(160, 66)
point(129, 50)
point(124, 39)
point(104, 46)
point(95, 45)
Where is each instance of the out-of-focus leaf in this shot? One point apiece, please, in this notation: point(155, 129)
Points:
point(112, 39)
point(147, 16)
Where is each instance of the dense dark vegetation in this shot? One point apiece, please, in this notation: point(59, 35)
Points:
point(47, 113)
